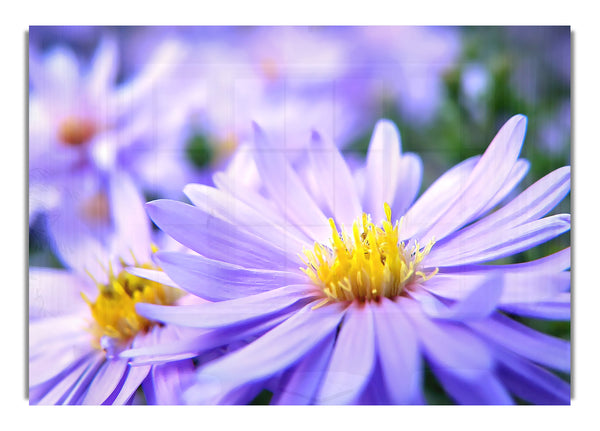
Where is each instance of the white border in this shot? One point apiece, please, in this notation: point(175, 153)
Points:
point(585, 215)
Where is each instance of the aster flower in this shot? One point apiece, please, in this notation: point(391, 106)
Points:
point(355, 295)
point(82, 317)
point(406, 65)
point(83, 124)
point(270, 74)
point(324, 78)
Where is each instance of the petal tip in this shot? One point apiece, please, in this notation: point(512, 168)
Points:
point(260, 137)
point(256, 128)
point(154, 208)
point(315, 136)
point(152, 204)
point(385, 122)
point(519, 120)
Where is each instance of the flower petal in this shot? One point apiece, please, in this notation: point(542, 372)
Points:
point(227, 207)
point(44, 333)
point(455, 286)
point(498, 244)
point(283, 183)
point(136, 374)
point(398, 353)
point(215, 238)
point(59, 389)
point(353, 359)
point(534, 287)
point(518, 172)
point(273, 352)
point(487, 389)
point(306, 377)
point(225, 313)
point(218, 281)
point(480, 302)
point(129, 217)
point(485, 181)
point(335, 180)
point(240, 396)
point(428, 208)
point(528, 206)
point(375, 393)
point(241, 191)
point(558, 308)
point(55, 292)
point(76, 393)
point(167, 382)
point(152, 274)
point(383, 160)
point(535, 346)
point(516, 288)
point(559, 261)
point(105, 381)
point(75, 245)
point(531, 382)
point(444, 344)
point(56, 75)
point(409, 176)
point(193, 345)
point(104, 67)
point(143, 85)
point(56, 356)
point(42, 197)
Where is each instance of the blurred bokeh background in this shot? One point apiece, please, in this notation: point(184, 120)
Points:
point(449, 90)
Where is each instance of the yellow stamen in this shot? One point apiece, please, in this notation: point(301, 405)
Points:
point(367, 264)
point(114, 308)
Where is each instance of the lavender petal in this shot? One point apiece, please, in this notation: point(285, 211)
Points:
point(398, 353)
point(226, 313)
point(199, 276)
point(273, 352)
point(353, 359)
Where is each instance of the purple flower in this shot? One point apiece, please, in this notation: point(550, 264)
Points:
point(83, 317)
point(405, 65)
point(271, 74)
point(350, 298)
point(83, 125)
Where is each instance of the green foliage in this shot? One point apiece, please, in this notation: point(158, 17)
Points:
point(200, 151)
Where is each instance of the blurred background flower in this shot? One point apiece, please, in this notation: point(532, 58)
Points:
point(460, 82)
point(83, 316)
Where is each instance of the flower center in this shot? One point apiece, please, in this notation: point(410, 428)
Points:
point(366, 264)
point(75, 131)
point(96, 207)
point(270, 68)
point(114, 309)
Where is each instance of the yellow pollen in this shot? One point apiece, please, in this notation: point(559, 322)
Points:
point(75, 131)
point(366, 264)
point(114, 309)
point(225, 148)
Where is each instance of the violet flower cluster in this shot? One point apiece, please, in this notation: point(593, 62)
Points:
point(297, 270)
